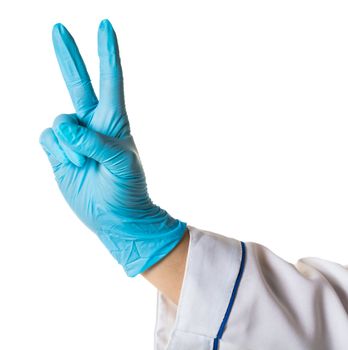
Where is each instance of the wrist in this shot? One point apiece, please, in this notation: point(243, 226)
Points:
point(167, 275)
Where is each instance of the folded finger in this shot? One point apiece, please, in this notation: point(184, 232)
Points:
point(51, 147)
point(75, 158)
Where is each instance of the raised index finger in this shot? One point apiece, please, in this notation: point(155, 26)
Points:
point(111, 97)
point(111, 79)
point(74, 72)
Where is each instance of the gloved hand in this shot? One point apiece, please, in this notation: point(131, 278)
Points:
point(96, 162)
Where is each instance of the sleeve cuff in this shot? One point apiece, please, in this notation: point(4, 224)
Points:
point(213, 269)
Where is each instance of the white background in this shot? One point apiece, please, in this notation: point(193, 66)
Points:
point(239, 111)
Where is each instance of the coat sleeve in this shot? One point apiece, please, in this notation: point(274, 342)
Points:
point(243, 296)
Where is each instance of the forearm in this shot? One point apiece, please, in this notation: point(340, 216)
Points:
point(168, 274)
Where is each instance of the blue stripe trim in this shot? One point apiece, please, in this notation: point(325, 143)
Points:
point(233, 298)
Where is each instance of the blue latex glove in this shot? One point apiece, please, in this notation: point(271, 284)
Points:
point(96, 162)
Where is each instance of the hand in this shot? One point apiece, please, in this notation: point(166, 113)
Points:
point(96, 162)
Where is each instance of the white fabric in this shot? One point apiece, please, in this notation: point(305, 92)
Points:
point(278, 305)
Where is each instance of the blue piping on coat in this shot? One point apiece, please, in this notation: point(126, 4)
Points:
point(232, 299)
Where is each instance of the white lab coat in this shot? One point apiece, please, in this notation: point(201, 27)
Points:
point(275, 305)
